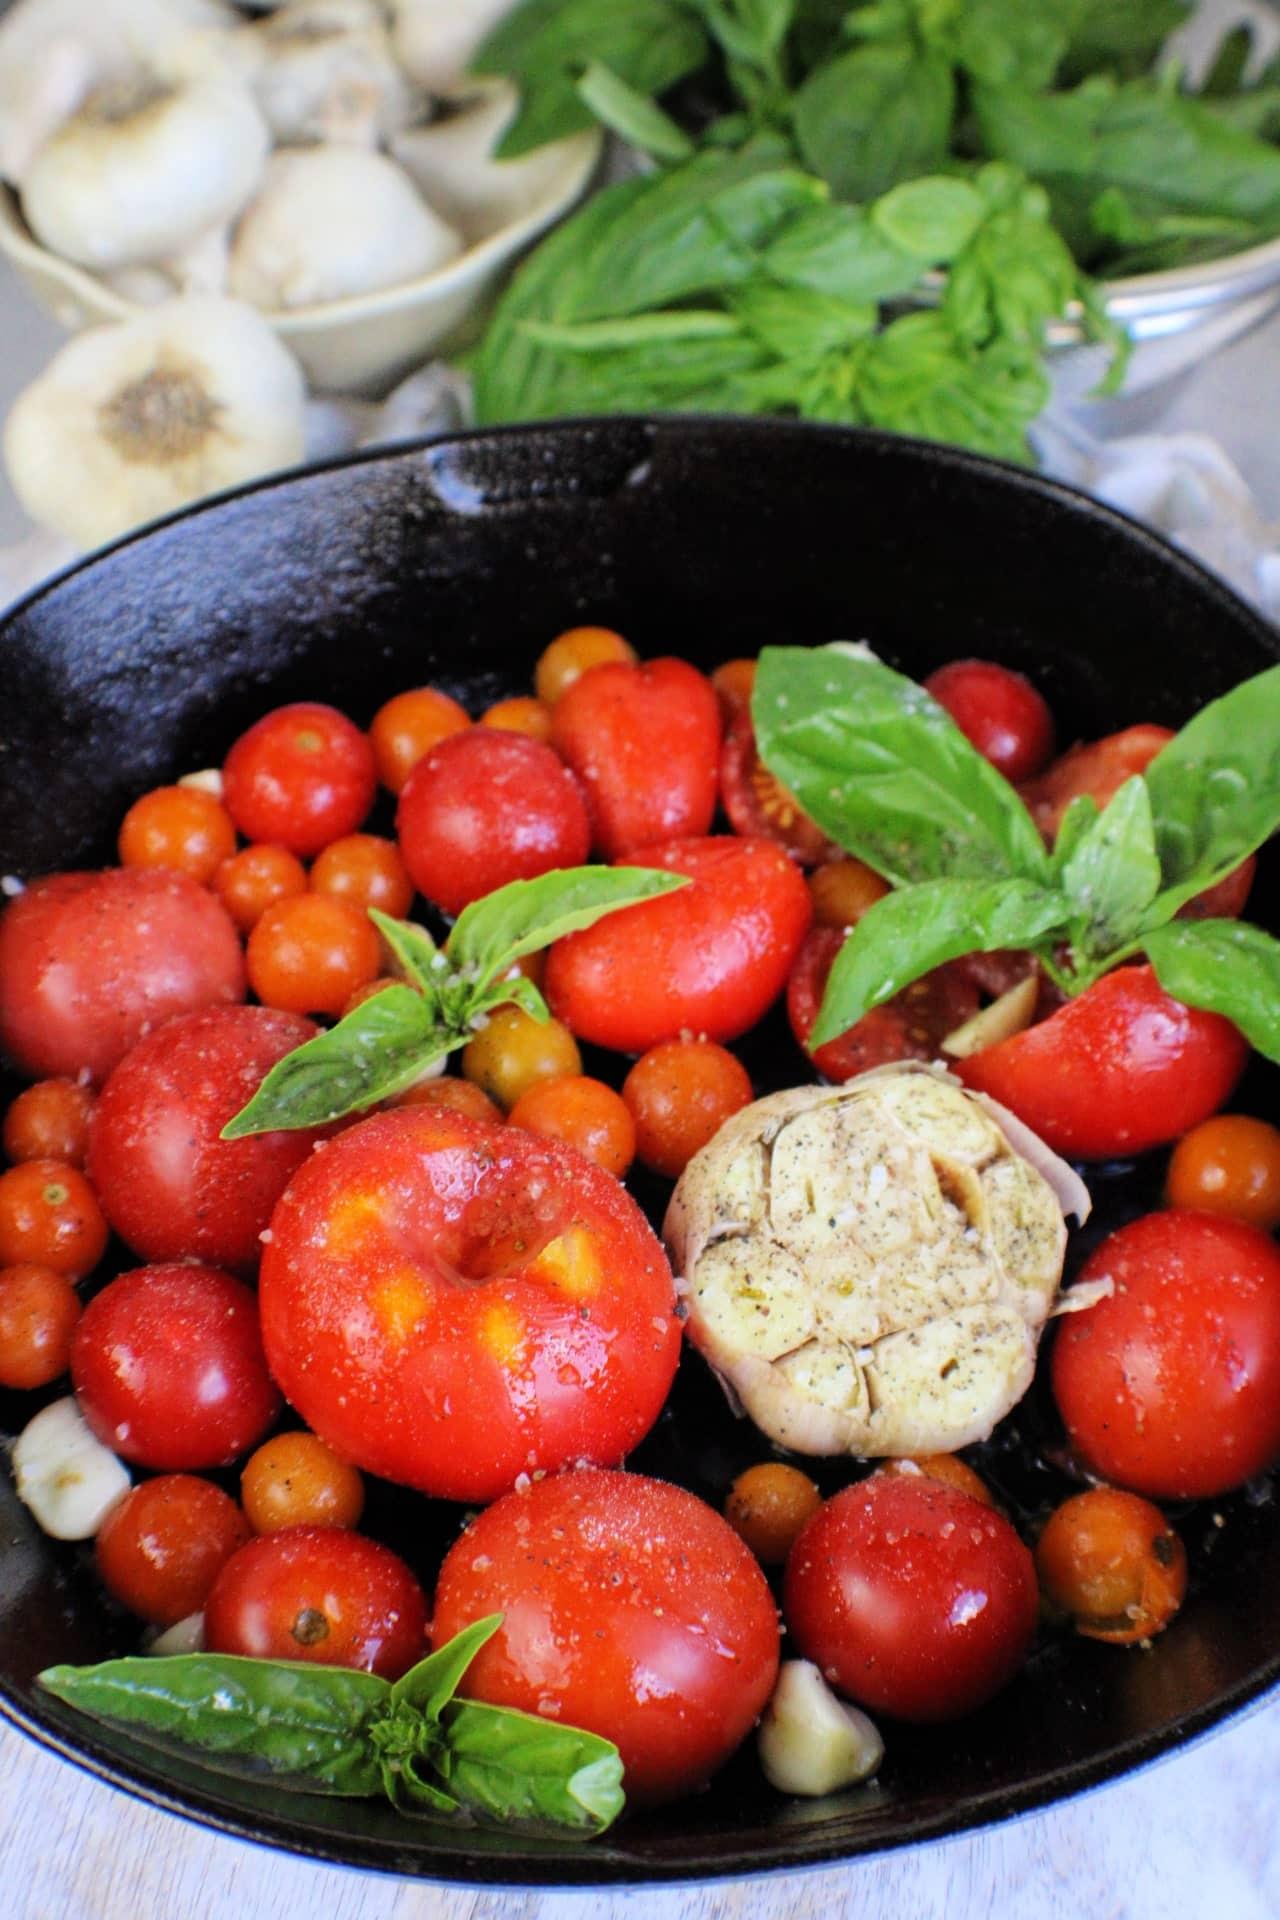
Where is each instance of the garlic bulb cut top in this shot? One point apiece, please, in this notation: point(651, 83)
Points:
point(331, 222)
point(148, 165)
point(132, 421)
point(324, 70)
point(435, 40)
point(451, 162)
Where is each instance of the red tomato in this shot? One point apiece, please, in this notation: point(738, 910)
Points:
point(169, 1186)
point(1097, 767)
point(758, 804)
point(999, 711)
point(160, 1550)
point(709, 959)
point(168, 1368)
point(911, 1026)
point(320, 1594)
point(451, 1304)
point(483, 808)
point(913, 1598)
point(1117, 1070)
point(1171, 1386)
point(645, 742)
point(630, 1608)
point(91, 961)
point(300, 777)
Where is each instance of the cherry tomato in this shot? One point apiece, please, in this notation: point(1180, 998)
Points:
point(585, 1114)
point(39, 1309)
point(49, 1121)
point(311, 953)
point(1099, 768)
point(367, 871)
point(321, 1594)
point(947, 1467)
point(842, 890)
point(514, 1052)
point(734, 682)
point(1117, 1070)
point(521, 715)
point(708, 959)
point(90, 961)
point(161, 1549)
point(170, 1186)
point(911, 1026)
point(1226, 900)
point(756, 801)
point(680, 1094)
point(1231, 1165)
point(1114, 1564)
point(295, 1480)
point(168, 1367)
point(484, 808)
point(1171, 1386)
point(912, 1598)
point(574, 653)
point(50, 1217)
point(514, 1309)
point(181, 827)
point(999, 711)
point(254, 879)
point(768, 1505)
point(630, 1608)
point(459, 1096)
point(300, 777)
point(408, 726)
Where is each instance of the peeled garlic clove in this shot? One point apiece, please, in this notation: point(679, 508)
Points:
point(451, 162)
point(810, 1742)
point(184, 1636)
point(324, 70)
point(68, 1478)
point(435, 40)
point(332, 222)
point(131, 421)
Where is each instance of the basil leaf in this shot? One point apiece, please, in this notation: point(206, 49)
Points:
point(405, 1788)
point(1008, 43)
point(797, 322)
point(930, 219)
point(519, 1769)
point(908, 933)
point(515, 991)
point(840, 252)
point(413, 947)
point(1215, 788)
point(1111, 874)
point(288, 1717)
point(1223, 966)
point(875, 116)
point(1077, 822)
point(375, 1051)
point(886, 772)
point(431, 1684)
point(632, 115)
point(492, 934)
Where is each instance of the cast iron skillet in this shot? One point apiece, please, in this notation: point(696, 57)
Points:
point(455, 563)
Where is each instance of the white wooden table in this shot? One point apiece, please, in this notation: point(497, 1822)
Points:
point(1196, 1835)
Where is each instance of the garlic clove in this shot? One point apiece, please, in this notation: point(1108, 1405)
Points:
point(68, 1478)
point(134, 420)
point(333, 222)
point(324, 70)
point(435, 40)
point(184, 1636)
point(810, 1742)
point(451, 163)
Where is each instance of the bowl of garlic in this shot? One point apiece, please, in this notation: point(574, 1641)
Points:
point(328, 163)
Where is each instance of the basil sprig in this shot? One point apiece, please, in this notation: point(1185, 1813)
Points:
point(889, 776)
point(333, 1730)
point(390, 1041)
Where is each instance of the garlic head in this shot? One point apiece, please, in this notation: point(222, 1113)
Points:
point(451, 162)
point(323, 70)
point(435, 40)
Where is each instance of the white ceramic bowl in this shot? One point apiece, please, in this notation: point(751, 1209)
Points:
point(362, 345)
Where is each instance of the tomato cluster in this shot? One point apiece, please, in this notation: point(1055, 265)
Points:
point(459, 1295)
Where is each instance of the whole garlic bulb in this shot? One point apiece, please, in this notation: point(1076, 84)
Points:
point(435, 40)
point(331, 222)
point(131, 421)
point(451, 162)
point(149, 165)
point(324, 70)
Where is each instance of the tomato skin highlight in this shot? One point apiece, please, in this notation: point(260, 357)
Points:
point(914, 1599)
point(709, 959)
point(631, 1609)
point(171, 1188)
point(91, 961)
point(1171, 1387)
point(645, 743)
point(451, 1304)
point(1119, 1069)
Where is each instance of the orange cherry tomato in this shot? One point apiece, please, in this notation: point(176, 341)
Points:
point(1114, 1564)
point(585, 1114)
point(181, 827)
point(948, 1468)
point(49, 1121)
point(459, 1096)
point(768, 1505)
point(842, 890)
point(521, 715)
point(38, 1313)
point(1229, 1164)
point(680, 1093)
point(513, 1052)
point(50, 1217)
point(255, 878)
point(574, 653)
point(366, 870)
point(309, 954)
point(296, 1480)
point(408, 726)
point(161, 1549)
point(733, 682)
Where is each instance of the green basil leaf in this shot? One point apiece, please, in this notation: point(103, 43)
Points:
point(632, 115)
point(519, 1769)
point(430, 1685)
point(287, 1717)
point(886, 772)
point(875, 116)
point(840, 252)
point(413, 947)
point(1081, 813)
point(1215, 788)
point(405, 1788)
point(515, 991)
point(1226, 73)
point(492, 934)
point(797, 323)
point(1223, 966)
point(908, 933)
point(1008, 43)
point(377, 1050)
point(1111, 874)
point(932, 219)
point(661, 330)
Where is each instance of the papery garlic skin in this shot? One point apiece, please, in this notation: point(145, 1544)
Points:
point(323, 70)
point(451, 162)
point(435, 40)
point(134, 420)
point(149, 165)
point(331, 223)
